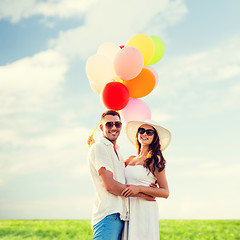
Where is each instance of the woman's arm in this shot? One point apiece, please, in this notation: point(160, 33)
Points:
point(160, 191)
point(145, 196)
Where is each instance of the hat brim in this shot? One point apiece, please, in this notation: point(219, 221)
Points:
point(163, 133)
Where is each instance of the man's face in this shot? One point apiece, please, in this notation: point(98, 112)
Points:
point(110, 132)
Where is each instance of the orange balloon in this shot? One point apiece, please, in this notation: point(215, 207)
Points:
point(141, 85)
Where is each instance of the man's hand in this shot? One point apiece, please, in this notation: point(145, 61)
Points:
point(90, 141)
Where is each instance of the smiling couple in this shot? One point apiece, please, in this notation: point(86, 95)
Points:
point(125, 207)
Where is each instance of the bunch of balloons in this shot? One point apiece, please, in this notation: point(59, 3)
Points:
point(122, 75)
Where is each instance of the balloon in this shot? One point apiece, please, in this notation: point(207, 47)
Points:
point(155, 74)
point(108, 49)
point(122, 46)
point(141, 85)
point(100, 71)
point(136, 109)
point(128, 63)
point(96, 87)
point(115, 96)
point(159, 50)
point(145, 44)
point(119, 80)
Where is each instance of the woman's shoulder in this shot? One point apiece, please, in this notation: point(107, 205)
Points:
point(129, 159)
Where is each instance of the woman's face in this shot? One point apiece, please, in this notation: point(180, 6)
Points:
point(145, 134)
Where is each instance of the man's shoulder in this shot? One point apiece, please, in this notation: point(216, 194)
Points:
point(98, 144)
point(98, 147)
point(102, 142)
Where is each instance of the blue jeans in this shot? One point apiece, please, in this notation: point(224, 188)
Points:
point(110, 228)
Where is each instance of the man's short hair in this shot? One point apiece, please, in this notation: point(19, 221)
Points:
point(110, 112)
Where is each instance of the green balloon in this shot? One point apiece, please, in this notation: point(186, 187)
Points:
point(158, 50)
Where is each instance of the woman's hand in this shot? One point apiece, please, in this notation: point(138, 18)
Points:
point(146, 197)
point(130, 191)
point(90, 141)
point(153, 185)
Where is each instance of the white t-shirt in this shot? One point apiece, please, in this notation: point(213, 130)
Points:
point(102, 154)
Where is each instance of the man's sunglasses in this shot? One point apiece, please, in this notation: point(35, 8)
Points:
point(111, 124)
point(149, 132)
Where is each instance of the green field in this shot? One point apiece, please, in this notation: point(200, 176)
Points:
point(81, 229)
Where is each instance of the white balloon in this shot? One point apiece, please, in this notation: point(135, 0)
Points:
point(97, 88)
point(108, 49)
point(100, 71)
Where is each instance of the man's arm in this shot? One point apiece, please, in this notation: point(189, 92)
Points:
point(115, 187)
point(109, 183)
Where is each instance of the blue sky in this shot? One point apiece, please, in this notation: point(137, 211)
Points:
point(48, 109)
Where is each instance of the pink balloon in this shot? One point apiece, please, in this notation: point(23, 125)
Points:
point(128, 63)
point(155, 74)
point(136, 109)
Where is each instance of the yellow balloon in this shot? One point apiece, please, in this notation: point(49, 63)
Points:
point(119, 79)
point(144, 44)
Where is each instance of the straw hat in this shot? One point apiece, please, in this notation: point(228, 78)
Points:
point(163, 133)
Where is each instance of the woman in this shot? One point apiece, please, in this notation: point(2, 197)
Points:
point(141, 171)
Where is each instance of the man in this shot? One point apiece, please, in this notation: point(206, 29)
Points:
point(107, 170)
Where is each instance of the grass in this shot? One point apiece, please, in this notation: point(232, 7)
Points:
point(45, 229)
point(200, 229)
point(81, 229)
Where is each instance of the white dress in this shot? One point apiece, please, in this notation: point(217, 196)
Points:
point(144, 221)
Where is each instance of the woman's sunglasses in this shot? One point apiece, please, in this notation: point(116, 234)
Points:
point(149, 132)
point(111, 124)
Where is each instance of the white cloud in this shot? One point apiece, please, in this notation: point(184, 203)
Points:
point(161, 117)
point(195, 81)
point(32, 81)
point(171, 13)
point(63, 8)
point(80, 170)
point(9, 137)
point(74, 207)
point(213, 65)
point(202, 167)
point(200, 188)
point(108, 21)
point(62, 148)
point(235, 89)
point(183, 160)
point(191, 207)
point(20, 9)
point(17, 10)
point(104, 20)
point(228, 72)
point(215, 170)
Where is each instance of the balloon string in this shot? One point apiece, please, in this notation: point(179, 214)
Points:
point(95, 128)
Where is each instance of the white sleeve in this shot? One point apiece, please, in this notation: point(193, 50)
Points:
point(102, 158)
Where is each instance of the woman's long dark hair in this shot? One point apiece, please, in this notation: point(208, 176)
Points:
point(152, 162)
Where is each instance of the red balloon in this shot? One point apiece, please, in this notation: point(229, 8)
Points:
point(115, 96)
point(122, 46)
